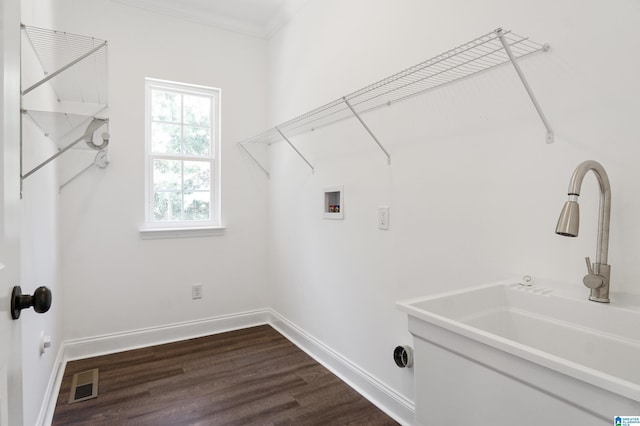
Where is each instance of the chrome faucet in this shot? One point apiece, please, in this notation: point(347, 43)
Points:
point(599, 273)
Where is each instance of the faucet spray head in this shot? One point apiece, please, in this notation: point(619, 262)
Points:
point(569, 220)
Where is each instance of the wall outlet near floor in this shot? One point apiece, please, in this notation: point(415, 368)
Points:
point(196, 291)
point(383, 217)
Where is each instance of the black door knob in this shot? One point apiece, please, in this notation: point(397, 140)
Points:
point(41, 301)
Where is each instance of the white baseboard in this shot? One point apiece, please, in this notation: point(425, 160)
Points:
point(395, 405)
point(392, 403)
point(45, 417)
point(141, 338)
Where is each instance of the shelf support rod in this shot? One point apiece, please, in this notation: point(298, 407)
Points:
point(63, 69)
point(77, 175)
point(56, 155)
point(507, 49)
point(367, 129)
point(295, 149)
point(53, 157)
point(100, 162)
point(255, 160)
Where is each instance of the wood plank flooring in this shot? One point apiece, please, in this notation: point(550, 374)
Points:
point(252, 376)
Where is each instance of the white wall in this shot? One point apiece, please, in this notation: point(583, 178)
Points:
point(115, 281)
point(40, 256)
point(473, 189)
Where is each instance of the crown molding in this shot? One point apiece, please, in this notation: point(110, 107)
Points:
point(212, 18)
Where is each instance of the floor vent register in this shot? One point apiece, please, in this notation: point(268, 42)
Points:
point(84, 386)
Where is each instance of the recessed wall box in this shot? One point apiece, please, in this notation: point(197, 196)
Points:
point(333, 202)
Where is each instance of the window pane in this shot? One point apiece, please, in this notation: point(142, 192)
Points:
point(197, 206)
point(197, 110)
point(167, 174)
point(196, 141)
point(180, 147)
point(165, 138)
point(197, 176)
point(167, 206)
point(165, 106)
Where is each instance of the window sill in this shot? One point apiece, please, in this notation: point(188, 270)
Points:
point(161, 233)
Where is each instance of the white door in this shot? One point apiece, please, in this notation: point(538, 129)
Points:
point(10, 332)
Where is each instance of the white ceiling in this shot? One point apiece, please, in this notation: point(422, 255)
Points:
point(259, 18)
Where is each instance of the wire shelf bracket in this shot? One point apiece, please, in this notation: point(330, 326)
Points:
point(525, 83)
point(63, 69)
point(87, 136)
point(100, 161)
point(255, 160)
point(375, 139)
point(286, 139)
point(482, 54)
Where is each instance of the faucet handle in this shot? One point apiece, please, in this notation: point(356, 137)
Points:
point(592, 280)
point(589, 267)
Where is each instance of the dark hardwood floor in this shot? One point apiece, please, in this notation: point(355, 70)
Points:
point(252, 376)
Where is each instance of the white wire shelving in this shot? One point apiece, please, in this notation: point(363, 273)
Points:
point(67, 97)
point(484, 53)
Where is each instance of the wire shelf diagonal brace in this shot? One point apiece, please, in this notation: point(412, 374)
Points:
point(63, 69)
point(373, 136)
point(255, 160)
point(525, 83)
point(295, 149)
point(99, 123)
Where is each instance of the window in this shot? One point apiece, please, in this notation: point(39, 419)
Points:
point(182, 155)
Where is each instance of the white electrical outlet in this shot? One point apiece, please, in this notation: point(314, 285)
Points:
point(196, 291)
point(383, 217)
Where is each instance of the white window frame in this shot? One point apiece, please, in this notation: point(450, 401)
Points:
point(183, 228)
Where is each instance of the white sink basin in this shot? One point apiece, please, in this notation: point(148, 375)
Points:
point(553, 326)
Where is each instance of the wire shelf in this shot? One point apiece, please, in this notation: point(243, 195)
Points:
point(75, 65)
point(481, 54)
point(60, 127)
point(74, 69)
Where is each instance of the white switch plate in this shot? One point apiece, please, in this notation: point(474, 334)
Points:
point(196, 291)
point(45, 342)
point(383, 217)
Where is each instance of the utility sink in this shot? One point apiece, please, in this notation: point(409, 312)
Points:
point(547, 337)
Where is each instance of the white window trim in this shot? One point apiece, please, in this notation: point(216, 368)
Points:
point(192, 232)
point(183, 229)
